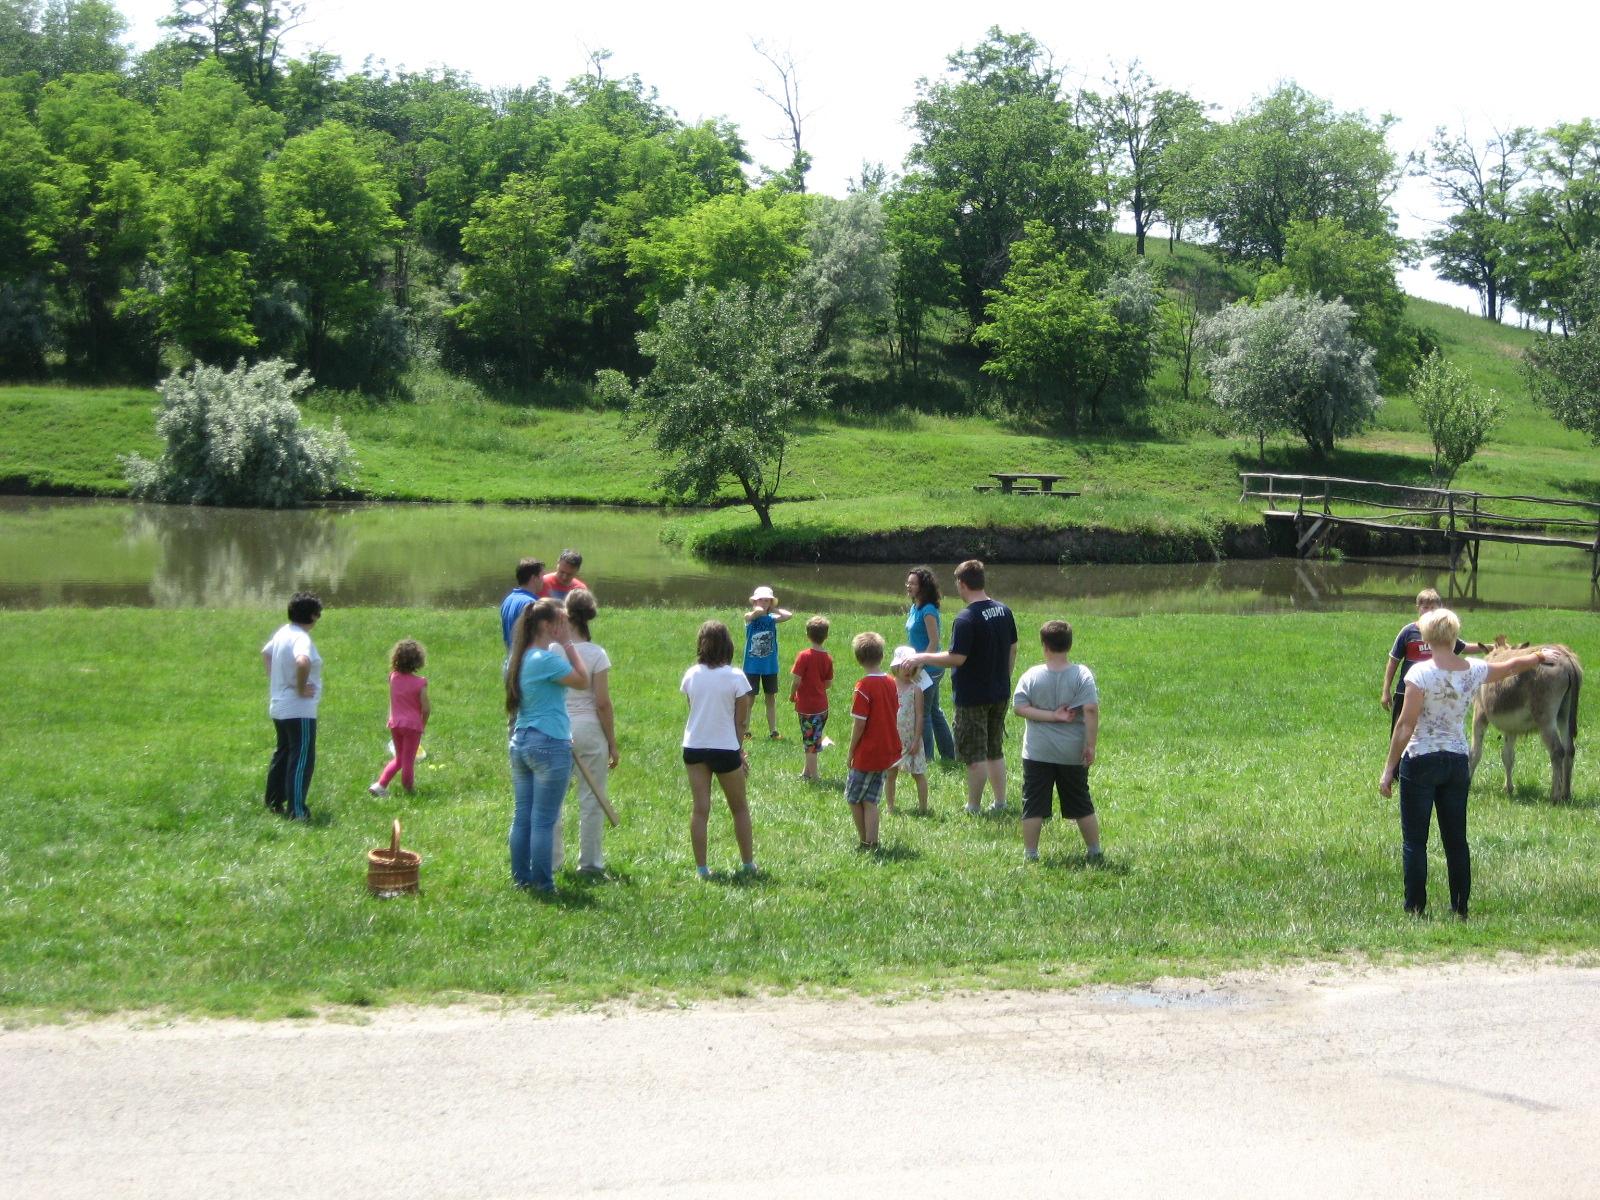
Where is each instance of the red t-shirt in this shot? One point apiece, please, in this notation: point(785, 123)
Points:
point(552, 589)
point(815, 670)
point(877, 703)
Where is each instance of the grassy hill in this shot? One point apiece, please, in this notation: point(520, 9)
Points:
point(888, 458)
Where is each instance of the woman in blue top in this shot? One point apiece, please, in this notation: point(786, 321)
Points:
point(922, 632)
point(543, 666)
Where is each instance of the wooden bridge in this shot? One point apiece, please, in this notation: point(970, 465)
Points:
point(1462, 520)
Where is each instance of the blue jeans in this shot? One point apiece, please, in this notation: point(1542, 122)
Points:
point(1429, 783)
point(540, 768)
point(934, 725)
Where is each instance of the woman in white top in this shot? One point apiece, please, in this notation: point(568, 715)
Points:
point(594, 737)
point(719, 707)
point(1429, 748)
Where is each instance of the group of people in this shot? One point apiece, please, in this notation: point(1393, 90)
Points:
point(558, 701)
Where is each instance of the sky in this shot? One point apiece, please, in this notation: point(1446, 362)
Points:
point(1469, 64)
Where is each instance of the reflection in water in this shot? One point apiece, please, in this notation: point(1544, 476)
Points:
point(97, 553)
point(241, 562)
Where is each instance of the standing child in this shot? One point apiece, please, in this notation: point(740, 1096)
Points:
point(761, 652)
point(408, 714)
point(1410, 651)
point(911, 687)
point(808, 692)
point(719, 707)
point(1058, 747)
point(875, 740)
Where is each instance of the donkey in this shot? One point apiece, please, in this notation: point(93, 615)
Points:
point(1544, 701)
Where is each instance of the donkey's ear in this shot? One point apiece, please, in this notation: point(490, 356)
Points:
point(1523, 645)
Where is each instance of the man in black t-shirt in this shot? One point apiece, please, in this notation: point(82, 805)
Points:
point(983, 651)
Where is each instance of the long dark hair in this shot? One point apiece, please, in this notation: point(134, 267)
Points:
point(534, 617)
point(927, 589)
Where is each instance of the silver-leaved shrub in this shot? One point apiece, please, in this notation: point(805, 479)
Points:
point(234, 438)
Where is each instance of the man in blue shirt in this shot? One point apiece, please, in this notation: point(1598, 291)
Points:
point(983, 651)
point(520, 597)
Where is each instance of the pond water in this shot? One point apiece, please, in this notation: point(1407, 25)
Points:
point(104, 553)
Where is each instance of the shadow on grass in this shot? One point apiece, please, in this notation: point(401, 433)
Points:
point(1080, 862)
point(894, 854)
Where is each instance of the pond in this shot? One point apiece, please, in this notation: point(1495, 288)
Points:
point(103, 553)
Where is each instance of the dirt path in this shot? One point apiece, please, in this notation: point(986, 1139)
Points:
point(1479, 1081)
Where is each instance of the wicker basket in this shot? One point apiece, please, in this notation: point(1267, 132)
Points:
point(392, 871)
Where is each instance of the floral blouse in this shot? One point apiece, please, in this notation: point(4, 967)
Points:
point(1446, 696)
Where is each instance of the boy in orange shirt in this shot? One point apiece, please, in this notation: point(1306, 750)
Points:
point(808, 692)
point(875, 740)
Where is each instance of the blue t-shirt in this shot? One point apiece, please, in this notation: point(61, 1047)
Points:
point(544, 701)
point(511, 608)
point(917, 631)
point(761, 646)
point(984, 631)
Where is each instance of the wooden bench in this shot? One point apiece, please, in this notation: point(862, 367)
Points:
point(1010, 481)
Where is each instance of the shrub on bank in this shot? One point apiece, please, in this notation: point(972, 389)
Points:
point(234, 438)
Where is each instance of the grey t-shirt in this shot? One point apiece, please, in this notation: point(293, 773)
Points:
point(1040, 687)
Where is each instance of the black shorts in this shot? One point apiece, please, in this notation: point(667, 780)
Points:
point(763, 683)
point(721, 762)
point(1040, 779)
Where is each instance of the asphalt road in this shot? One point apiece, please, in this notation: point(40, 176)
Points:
point(1469, 1081)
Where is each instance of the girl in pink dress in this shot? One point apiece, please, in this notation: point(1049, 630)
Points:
point(408, 714)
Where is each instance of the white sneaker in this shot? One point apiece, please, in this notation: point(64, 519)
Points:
point(377, 789)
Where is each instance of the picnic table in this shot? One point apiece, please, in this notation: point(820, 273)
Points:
point(1009, 480)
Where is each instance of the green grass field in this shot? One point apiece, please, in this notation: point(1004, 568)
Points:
point(138, 869)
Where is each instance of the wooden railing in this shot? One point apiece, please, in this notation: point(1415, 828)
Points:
point(1463, 516)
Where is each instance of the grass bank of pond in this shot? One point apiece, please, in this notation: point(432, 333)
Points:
point(1236, 784)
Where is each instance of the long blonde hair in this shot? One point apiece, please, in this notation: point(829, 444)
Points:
point(533, 618)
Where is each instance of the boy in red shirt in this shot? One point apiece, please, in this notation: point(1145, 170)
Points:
point(808, 692)
point(875, 740)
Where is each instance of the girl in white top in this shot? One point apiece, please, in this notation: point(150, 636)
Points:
point(1429, 751)
point(719, 707)
point(594, 737)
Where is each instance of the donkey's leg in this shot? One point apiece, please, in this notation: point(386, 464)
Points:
point(1508, 756)
point(1554, 732)
point(1480, 721)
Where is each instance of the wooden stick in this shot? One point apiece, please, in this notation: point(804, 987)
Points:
point(599, 794)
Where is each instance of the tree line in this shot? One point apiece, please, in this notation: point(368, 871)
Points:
point(217, 199)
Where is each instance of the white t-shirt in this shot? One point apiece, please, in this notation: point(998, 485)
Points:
point(1446, 696)
point(287, 704)
point(712, 693)
point(580, 705)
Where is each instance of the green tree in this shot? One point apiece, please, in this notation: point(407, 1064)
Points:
point(1291, 157)
point(245, 36)
point(1563, 369)
point(1047, 329)
point(1140, 124)
point(517, 270)
point(1458, 415)
point(999, 144)
point(1291, 363)
point(211, 144)
point(92, 219)
point(753, 237)
point(1478, 183)
point(918, 225)
point(734, 370)
point(849, 267)
point(1559, 219)
point(1325, 259)
point(330, 211)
